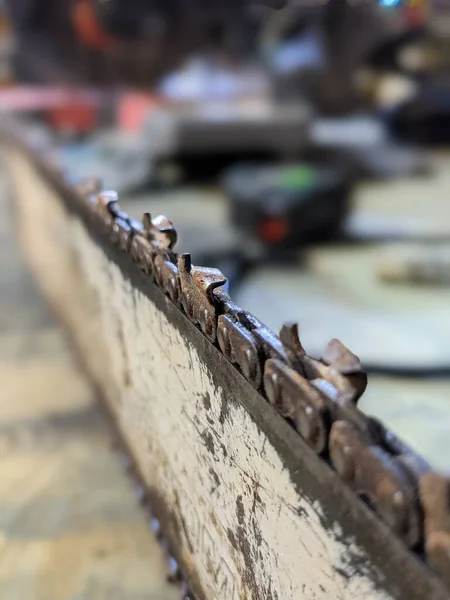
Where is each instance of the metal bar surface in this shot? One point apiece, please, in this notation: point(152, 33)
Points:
point(248, 509)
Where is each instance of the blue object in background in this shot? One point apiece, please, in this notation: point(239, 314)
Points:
point(391, 3)
point(305, 51)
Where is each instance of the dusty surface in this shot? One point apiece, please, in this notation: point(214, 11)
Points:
point(70, 524)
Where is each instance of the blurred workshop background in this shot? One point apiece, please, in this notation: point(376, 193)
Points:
point(303, 151)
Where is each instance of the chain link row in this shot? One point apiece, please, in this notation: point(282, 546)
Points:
point(316, 397)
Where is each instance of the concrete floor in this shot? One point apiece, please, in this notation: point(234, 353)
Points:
point(71, 527)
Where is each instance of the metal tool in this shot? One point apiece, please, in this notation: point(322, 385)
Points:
point(265, 478)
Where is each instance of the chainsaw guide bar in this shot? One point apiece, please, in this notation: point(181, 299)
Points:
point(265, 480)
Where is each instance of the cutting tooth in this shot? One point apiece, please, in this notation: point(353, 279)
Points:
point(340, 357)
point(165, 227)
point(289, 335)
point(147, 221)
point(184, 264)
point(160, 230)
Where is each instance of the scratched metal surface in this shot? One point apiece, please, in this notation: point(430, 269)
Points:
point(259, 481)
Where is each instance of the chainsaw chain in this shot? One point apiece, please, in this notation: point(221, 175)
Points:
point(175, 575)
point(318, 398)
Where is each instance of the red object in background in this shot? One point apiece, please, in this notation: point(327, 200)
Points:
point(77, 117)
point(415, 15)
point(88, 28)
point(273, 230)
point(65, 109)
point(134, 108)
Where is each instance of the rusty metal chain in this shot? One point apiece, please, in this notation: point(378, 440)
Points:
point(317, 397)
point(175, 575)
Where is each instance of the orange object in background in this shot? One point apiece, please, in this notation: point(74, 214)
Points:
point(88, 29)
point(77, 118)
point(273, 230)
point(133, 109)
point(6, 49)
point(415, 12)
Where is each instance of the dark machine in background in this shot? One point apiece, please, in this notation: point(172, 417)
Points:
point(132, 42)
point(311, 53)
point(136, 41)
